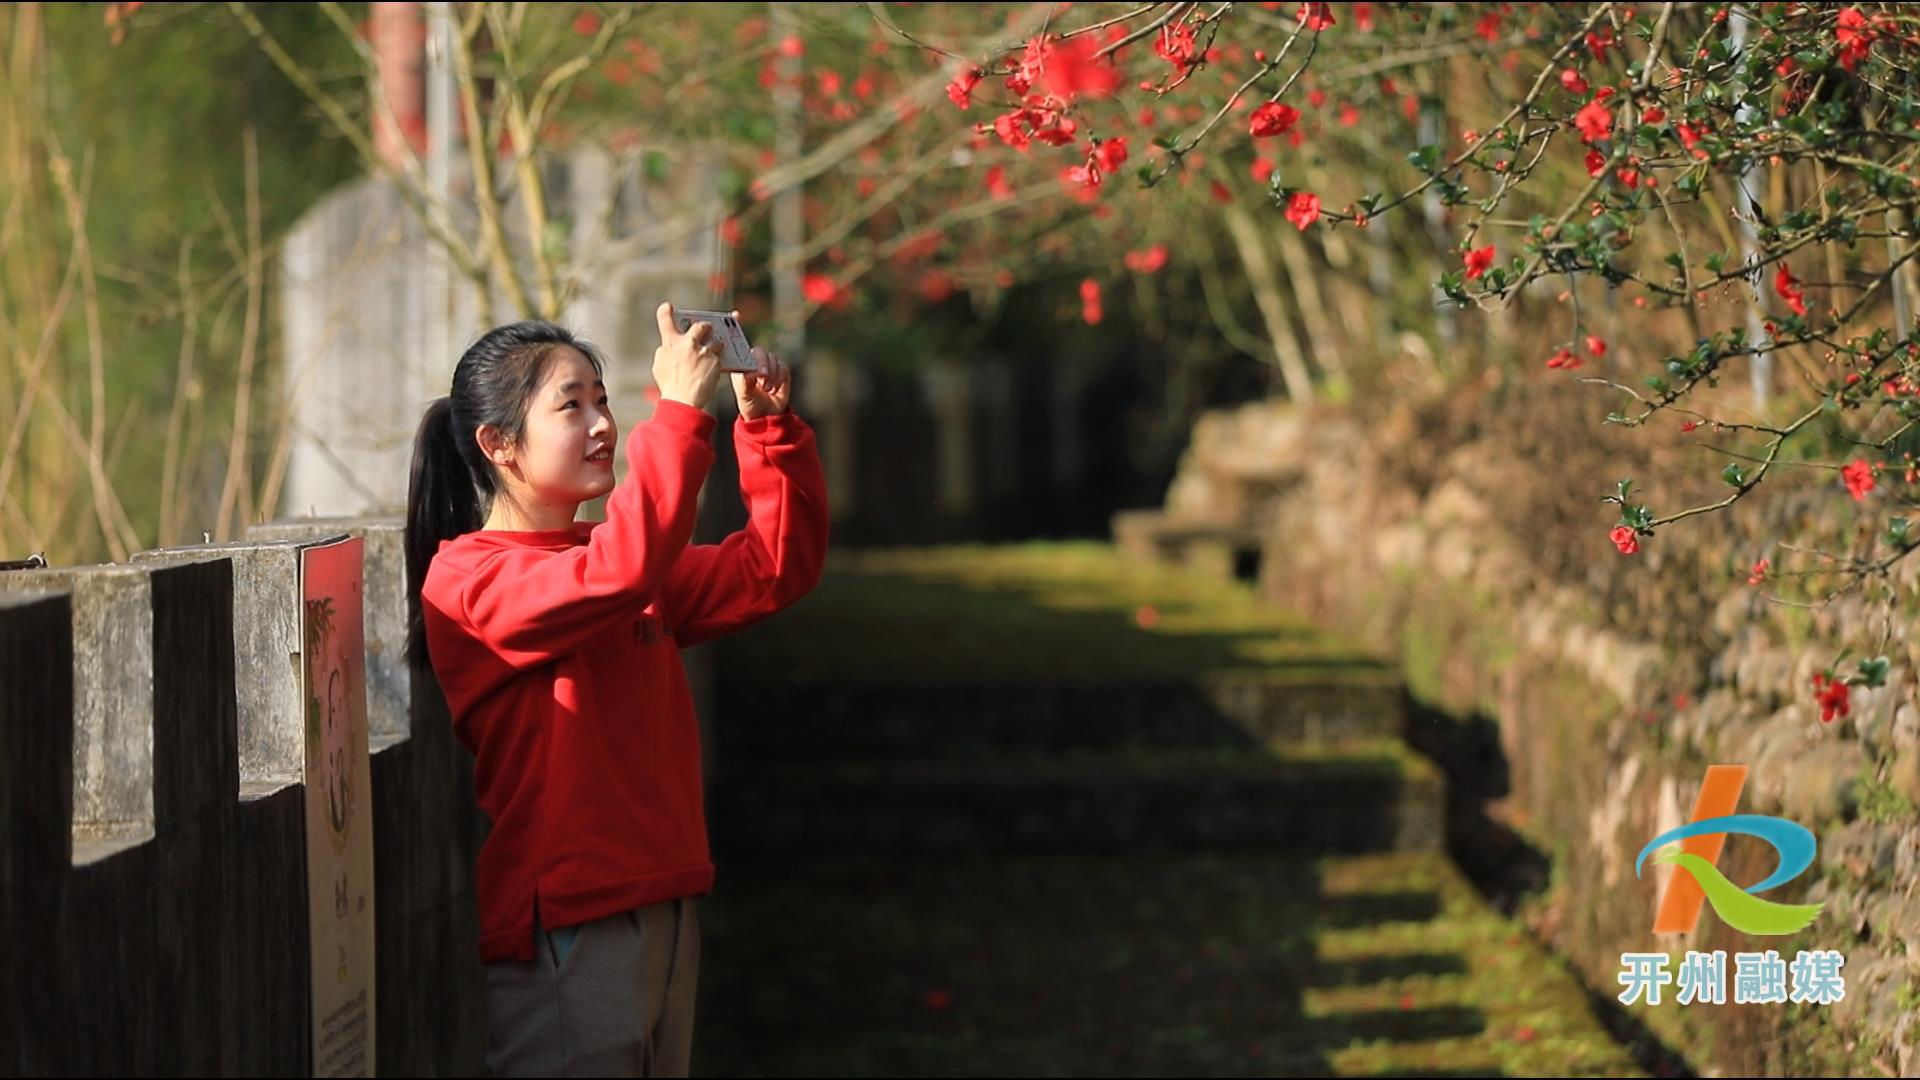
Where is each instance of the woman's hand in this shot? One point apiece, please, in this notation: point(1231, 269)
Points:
point(764, 392)
point(686, 367)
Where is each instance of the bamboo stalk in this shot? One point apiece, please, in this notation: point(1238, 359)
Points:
point(236, 478)
point(183, 384)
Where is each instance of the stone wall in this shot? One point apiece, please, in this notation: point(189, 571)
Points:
point(1466, 537)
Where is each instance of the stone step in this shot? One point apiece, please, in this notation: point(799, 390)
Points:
point(1213, 548)
point(1225, 710)
point(1134, 964)
point(1344, 798)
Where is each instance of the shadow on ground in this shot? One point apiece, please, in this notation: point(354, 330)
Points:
point(987, 810)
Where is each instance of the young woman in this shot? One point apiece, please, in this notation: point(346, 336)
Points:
point(557, 643)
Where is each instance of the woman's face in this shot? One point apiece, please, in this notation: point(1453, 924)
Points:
point(567, 452)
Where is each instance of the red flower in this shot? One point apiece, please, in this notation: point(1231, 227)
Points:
point(997, 185)
point(1596, 163)
point(1082, 182)
point(1758, 574)
point(1149, 261)
point(1071, 70)
point(1563, 358)
point(1219, 192)
point(1012, 130)
point(1854, 34)
point(1349, 116)
point(1090, 301)
point(1598, 44)
point(1624, 538)
point(1574, 82)
point(1175, 45)
point(1488, 27)
point(1303, 209)
point(937, 999)
point(935, 286)
point(959, 91)
point(1859, 478)
point(1033, 60)
point(1272, 118)
point(1260, 170)
point(586, 23)
point(1788, 287)
point(1362, 16)
point(1477, 260)
point(1690, 138)
point(821, 289)
point(1055, 129)
point(1316, 97)
point(1316, 16)
point(1653, 115)
point(1596, 345)
point(1104, 157)
point(792, 47)
point(1594, 120)
point(1830, 696)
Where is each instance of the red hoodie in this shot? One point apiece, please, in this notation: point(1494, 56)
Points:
point(558, 651)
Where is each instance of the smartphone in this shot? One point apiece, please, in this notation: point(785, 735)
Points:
point(735, 353)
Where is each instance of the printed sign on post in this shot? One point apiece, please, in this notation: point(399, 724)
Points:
point(339, 818)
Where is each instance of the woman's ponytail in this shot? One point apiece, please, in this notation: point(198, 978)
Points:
point(443, 501)
point(452, 483)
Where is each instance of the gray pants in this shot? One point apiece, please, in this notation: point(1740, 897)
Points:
point(617, 1002)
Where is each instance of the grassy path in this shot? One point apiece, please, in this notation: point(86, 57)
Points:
point(1039, 810)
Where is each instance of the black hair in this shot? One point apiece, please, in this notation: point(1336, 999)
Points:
point(452, 483)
